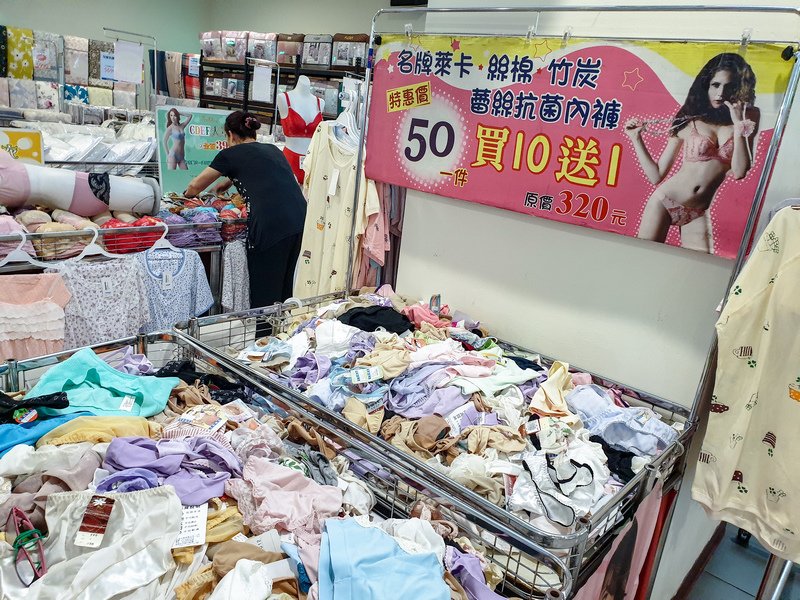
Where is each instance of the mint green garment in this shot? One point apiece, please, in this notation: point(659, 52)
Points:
point(96, 387)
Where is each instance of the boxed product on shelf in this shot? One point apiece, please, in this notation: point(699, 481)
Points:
point(317, 50)
point(211, 45)
point(234, 46)
point(328, 92)
point(290, 48)
point(263, 45)
point(349, 50)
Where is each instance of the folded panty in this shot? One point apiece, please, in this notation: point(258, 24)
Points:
point(467, 569)
point(8, 405)
point(635, 429)
point(308, 370)
point(356, 411)
point(128, 480)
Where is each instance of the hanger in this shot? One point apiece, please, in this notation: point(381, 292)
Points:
point(94, 249)
point(19, 255)
point(163, 243)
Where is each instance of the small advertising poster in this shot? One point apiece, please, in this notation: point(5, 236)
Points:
point(22, 144)
point(188, 140)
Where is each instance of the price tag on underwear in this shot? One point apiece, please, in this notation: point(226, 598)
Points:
point(127, 403)
point(240, 537)
point(166, 281)
point(334, 181)
point(454, 418)
point(366, 374)
point(95, 521)
point(108, 286)
point(193, 526)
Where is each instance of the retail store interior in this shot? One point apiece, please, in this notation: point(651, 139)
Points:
point(383, 299)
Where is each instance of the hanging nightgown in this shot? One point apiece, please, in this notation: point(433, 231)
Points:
point(330, 187)
point(747, 473)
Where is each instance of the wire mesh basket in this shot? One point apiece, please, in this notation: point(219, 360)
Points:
point(139, 169)
point(582, 550)
point(527, 571)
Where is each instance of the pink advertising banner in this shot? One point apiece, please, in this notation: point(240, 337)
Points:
point(663, 141)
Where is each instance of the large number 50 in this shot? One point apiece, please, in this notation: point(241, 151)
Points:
point(432, 141)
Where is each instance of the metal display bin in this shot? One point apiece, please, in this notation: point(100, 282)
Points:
point(529, 572)
point(582, 550)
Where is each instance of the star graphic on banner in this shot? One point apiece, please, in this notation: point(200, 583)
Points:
point(632, 79)
point(390, 68)
point(480, 67)
point(456, 45)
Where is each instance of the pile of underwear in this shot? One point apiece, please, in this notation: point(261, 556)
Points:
point(118, 480)
point(177, 209)
point(547, 444)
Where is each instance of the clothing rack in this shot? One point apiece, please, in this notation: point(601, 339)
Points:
point(53, 243)
point(776, 573)
point(154, 44)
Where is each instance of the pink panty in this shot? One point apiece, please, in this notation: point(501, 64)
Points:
point(679, 214)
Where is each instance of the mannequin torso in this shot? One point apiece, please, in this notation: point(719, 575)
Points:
point(307, 107)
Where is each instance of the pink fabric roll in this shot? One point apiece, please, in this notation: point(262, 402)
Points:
point(15, 187)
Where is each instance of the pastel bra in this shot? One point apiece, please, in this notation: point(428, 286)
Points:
point(701, 148)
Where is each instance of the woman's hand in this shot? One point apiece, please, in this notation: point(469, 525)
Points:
point(737, 110)
point(223, 187)
point(634, 127)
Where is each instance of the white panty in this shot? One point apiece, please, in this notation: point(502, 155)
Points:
point(135, 550)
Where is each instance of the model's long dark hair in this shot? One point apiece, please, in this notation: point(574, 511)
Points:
point(697, 104)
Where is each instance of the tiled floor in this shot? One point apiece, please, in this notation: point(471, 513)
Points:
point(735, 572)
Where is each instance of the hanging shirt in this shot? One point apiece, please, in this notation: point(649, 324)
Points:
point(330, 188)
point(235, 277)
point(746, 474)
point(263, 177)
point(108, 301)
point(31, 315)
point(176, 285)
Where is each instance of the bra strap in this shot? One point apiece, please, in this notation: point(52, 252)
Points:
point(288, 102)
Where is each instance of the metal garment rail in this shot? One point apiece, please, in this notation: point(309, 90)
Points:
point(771, 585)
point(121, 240)
point(107, 30)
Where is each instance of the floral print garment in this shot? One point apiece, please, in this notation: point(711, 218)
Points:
point(20, 53)
point(47, 47)
point(47, 96)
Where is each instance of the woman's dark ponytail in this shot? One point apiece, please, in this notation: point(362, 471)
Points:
point(242, 124)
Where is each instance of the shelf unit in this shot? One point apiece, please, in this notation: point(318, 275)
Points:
point(288, 75)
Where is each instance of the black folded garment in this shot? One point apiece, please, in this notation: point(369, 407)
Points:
point(370, 318)
point(186, 371)
point(8, 405)
point(619, 461)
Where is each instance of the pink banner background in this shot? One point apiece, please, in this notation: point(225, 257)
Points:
point(624, 77)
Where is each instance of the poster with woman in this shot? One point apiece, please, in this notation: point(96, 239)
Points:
point(663, 141)
point(188, 140)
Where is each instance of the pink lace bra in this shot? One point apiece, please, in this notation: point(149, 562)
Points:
point(701, 148)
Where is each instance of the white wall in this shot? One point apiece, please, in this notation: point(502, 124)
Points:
point(638, 312)
point(295, 16)
point(175, 23)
